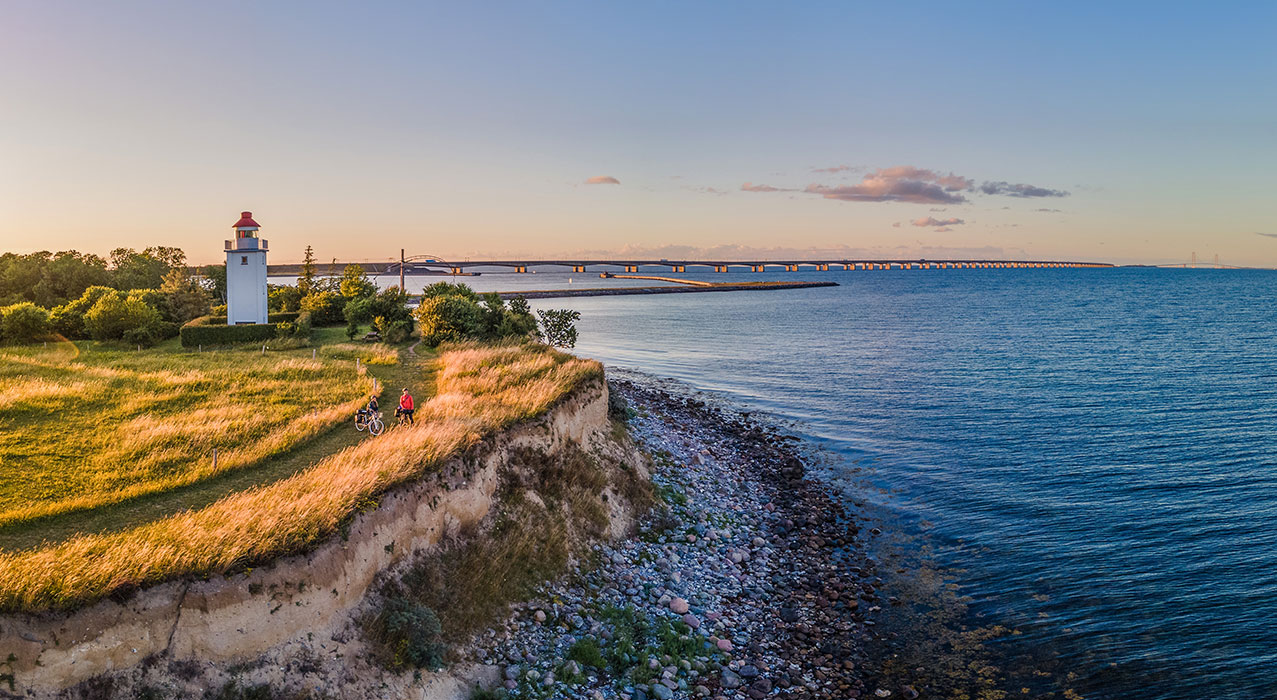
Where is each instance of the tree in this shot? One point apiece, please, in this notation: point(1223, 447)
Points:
point(282, 297)
point(325, 307)
point(493, 313)
point(559, 327)
point(444, 289)
point(215, 282)
point(518, 321)
point(133, 270)
point(116, 314)
point(355, 284)
point(306, 280)
point(68, 320)
point(184, 298)
point(448, 318)
point(23, 323)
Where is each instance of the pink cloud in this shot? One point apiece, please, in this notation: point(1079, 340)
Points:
point(602, 180)
point(902, 183)
point(834, 169)
point(933, 221)
point(751, 187)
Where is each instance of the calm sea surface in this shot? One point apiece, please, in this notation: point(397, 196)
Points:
point(1095, 449)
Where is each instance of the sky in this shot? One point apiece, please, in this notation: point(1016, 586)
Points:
point(1123, 132)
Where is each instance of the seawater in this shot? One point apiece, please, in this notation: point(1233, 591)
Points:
point(1093, 452)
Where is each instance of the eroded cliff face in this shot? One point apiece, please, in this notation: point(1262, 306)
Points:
point(307, 606)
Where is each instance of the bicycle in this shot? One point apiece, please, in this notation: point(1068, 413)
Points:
point(370, 421)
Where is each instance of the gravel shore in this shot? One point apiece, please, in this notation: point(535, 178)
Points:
point(746, 580)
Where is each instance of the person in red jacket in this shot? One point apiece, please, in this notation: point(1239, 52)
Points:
point(406, 407)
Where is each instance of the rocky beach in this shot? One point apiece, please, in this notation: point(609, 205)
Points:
point(747, 579)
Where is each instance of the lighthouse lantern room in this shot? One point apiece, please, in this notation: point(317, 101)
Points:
point(246, 274)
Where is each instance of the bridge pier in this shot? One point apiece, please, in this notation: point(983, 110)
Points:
point(631, 268)
point(823, 267)
point(720, 268)
point(520, 268)
point(678, 268)
point(578, 268)
point(456, 270)
point(756, 268)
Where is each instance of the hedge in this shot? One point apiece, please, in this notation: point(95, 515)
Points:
point(274, 317)
point(207, 331)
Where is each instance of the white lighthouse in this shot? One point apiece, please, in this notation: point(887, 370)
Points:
point(246, 274)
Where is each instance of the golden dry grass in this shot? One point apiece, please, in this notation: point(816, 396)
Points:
point(81, 430)
point(368, 353)
point(480, 390)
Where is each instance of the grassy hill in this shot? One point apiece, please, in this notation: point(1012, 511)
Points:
point(477, 390)
point(83, 426)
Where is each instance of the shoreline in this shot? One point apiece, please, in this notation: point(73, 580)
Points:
point(768, 574)
point(792, 587)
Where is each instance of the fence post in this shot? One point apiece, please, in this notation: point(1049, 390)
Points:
point(313, 351)
point(214, 458)
point(263, 348)
point(356, 364)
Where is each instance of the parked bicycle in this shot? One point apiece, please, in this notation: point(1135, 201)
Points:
point(370, 421)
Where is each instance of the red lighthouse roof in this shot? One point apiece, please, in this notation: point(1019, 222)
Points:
point(246, 221)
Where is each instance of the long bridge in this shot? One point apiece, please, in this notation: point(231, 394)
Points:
point(418, 264)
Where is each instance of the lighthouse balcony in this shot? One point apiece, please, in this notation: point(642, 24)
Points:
point(237, 244)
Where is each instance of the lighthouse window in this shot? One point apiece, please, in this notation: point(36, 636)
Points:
point(243, 260)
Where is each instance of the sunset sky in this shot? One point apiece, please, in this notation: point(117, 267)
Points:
point(1127, 132)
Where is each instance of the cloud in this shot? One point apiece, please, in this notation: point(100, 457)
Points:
point(906, 183)
point(834, 169)
point(751, 187)
point(1020, 190)
point(903, 183)
point(1266, 235)
point(1048, 210)
point(896, 225)
point(602, 180)
point(933, 221)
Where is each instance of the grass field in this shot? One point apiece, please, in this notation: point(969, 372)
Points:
point(479, 389)
point(83, 426)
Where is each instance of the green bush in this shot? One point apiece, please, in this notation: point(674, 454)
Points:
point(67, 320)
point(212, 330)
point(23, 323)
point(299, 328)
point(282, 297)
point(410, 632)
point(392, 332)
point(358, 310)
point(443, 317)
point(325, 308)
point(116, 314)
point(559, 327)
point(449, 318)
point(448, 289)
point(220, 319)
point(184, 298)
